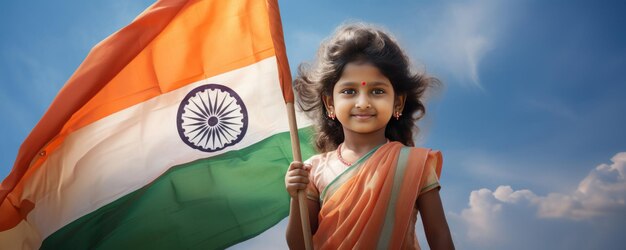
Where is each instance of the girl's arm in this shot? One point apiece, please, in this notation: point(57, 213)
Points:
point(297, 178)
point(435, 224)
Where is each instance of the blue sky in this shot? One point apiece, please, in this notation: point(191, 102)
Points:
point(530, 120)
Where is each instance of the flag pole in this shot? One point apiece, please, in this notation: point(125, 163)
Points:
point(285, 80)
point(297, 156)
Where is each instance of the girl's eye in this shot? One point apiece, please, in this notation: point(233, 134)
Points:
point(348, 91)
point(378, 91)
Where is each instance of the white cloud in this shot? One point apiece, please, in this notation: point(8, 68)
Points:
point(506, 194)
point(483, 207)
point(501, 217)
point(601, 193)
point(457, 39)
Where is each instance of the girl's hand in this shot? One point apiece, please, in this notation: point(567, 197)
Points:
point(297, 178)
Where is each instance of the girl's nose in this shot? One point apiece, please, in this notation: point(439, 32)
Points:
point(362, 102)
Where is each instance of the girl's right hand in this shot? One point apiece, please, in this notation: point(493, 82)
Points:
point(297, 178)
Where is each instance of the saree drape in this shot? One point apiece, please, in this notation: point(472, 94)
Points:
point(370, 205)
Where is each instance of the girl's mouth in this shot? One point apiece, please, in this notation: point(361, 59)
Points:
point(363, 116)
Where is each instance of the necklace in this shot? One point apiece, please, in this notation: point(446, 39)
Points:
point(341, 158)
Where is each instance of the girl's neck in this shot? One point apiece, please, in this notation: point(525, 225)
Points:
point(356, 145)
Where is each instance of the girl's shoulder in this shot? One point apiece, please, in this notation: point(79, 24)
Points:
point(430, 151)
point(433, 156)
point(316, 159)
point(433, 160)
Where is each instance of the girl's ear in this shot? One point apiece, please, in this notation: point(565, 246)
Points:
point(398, 105)
point(328, 103)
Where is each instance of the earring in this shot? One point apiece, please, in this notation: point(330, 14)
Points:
point(397, 114)
point(331, 115)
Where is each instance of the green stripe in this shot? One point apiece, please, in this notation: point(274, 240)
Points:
point(211, 203)
point(385, 234)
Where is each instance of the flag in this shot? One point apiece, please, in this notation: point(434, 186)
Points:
point(173, 133)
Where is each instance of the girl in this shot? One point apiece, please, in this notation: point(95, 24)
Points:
point(365, 190)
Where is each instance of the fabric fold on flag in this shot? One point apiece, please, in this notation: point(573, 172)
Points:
point(172, 133)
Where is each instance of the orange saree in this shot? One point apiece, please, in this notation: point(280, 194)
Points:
point(370, 205)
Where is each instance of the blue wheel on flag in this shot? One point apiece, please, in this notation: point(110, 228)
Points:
point(212, 117)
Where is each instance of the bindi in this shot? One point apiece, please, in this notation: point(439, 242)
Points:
point(363, 83)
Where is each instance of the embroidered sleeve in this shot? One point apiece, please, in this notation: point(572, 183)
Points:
point(429, 181)
point(311, 190)
point(432, 168)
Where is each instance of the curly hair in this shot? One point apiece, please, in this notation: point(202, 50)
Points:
point(362, 43)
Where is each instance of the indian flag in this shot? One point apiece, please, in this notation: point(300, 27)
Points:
point(173, 133)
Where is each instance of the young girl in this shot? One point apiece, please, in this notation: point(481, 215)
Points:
point(366, 188)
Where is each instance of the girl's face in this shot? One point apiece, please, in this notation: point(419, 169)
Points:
point(363, 99)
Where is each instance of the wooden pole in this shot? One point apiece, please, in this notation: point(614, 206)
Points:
point(297, 156)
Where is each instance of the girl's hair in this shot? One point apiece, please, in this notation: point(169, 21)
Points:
point(361, 43)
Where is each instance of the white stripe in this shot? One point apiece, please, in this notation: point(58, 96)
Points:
point(127, 150)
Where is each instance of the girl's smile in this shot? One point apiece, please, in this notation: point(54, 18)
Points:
point(363, 116)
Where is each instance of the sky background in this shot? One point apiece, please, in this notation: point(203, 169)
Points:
point(530, 119)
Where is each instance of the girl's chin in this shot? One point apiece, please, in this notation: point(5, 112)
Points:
point(364, 129)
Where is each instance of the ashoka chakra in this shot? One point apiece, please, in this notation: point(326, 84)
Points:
point(212, 117)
